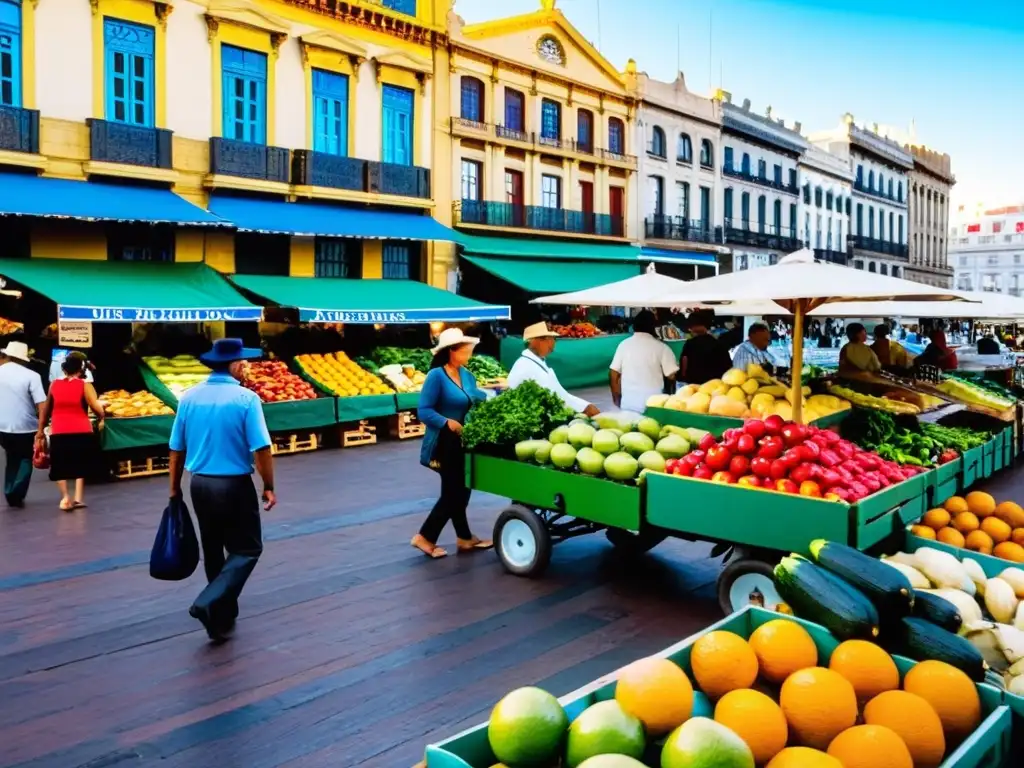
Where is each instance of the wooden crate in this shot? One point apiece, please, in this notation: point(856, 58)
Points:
point(284, 445)
point(150, 466)
point(405, 426)
point(361, 433)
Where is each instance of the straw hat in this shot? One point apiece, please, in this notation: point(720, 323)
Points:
point(453, 337)
point(538, 331)
point(17, 350)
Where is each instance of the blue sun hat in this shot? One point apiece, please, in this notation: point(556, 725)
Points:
point(229, 351)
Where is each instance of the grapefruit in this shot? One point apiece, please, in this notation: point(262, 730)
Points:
point(803, 757)
point(703, 743)
point(657, 692)
point(604, 728)
point(611, 761)
point(756, 719)
point(722, 662)
point(527, 727)
point(819, 704)
point(783, 647)
point(870, 746)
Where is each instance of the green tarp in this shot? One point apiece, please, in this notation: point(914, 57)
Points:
point(546, 277)
point(350, 409)
point(141, 432)
point(407, 401)
point(577, 362)
point(157, 387)
point(299, 415)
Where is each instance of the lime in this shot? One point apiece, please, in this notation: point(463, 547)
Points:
point(703, 743)
point(527, 727)
point(611, 761)
point(604, 728)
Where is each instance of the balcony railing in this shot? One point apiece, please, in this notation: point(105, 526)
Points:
point(659, 227)
point(319, 169)
point(494, 214)
point(19, 130)
point(880, 246)
point(112, 142)
point(463, 125)
point(833, 257)
point(860, 186)
point(776, 241)
point(618, 157)
point(229, 157)
point(513, 134)
point(554, 142)
point(763, 181)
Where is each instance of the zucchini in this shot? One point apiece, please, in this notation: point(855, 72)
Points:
point(819, 596)
point(887, 588)
point(938, 611)
point(921, 640)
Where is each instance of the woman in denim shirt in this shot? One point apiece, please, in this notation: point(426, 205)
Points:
point(447, 395)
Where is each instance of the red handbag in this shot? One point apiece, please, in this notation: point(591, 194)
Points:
point(40, 457)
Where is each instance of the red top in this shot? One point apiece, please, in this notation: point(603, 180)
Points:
point(69, 410)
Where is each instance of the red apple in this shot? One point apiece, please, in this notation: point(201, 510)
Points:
point(670, 466)
point(800, 473)
point(683, 469)
point(779, 469)
point(703, 472)
point(725, 478)
point(739, 466)
point(810, 488)
point(792, 434)
point(812, 449)
point(693, 458)
point(761, 467)
point(755, 428)
point(771, 447)
point(718, 457)
point(707, 441)
point(773, 425)
point(786, 486)
point(749, 481)
point(746, 445)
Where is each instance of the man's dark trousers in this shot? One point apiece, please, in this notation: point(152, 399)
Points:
point(18, 447)
point(228, 512)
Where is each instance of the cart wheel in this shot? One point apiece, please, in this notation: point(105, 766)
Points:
point(747, 582)
point(522, 541)
point(634, 543)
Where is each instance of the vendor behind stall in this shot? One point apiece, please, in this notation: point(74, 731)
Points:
point(531, 366)
point(755, 349)
point(890, 354)
point(988, 345)
point(703, 357)
point(643, 366)
point(857, 356)
point(938, 353)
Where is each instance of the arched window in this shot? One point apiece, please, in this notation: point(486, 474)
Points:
point(684, 149)
point(890, 188)
point(707, 154)
point(585, 130)
point(658, 142)
point(472, 99)
point(745, 209)
point(616, 135)
point(871, 181)
point(762, 212)
point(829, 200)
point(817, 197)
point(895, 271)
point(745, 163)
point(762, 169)
point(881, 183)
point(883, 269)
point(727, 204)
point(777, 218)
point(871, 266)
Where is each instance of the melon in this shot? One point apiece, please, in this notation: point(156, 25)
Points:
point(563, 456)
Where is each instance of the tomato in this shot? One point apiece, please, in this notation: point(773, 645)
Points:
point(755, 428)
point(749, 481)
point(810, 488)
point(786, 486)
point(792, 434)
point(800, 473)
point(761, 467)
point(745, 444)
point(725, 478)
point(718, 457)
point(779, 470)
point(773, 425)
point(739, 466)
point(703, 472)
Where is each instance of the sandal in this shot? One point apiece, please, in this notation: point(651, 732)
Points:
point(469, 545)
point(68, 508)
point(432, 551)
point(79, 505)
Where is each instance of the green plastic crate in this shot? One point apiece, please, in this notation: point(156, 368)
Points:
point(988, 458)
point(987, 747)
point(718, 424)
point(944, 482)
point(972, 467)
point(992, 566)
point(598, 500)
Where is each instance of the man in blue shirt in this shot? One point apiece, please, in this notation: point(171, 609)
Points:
point(219, 433)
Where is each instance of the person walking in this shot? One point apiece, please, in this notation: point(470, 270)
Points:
point(218, 434)
point(21, 412)
point(532, 365)
point(448, 393)
point(643, 365)
point(73, 443)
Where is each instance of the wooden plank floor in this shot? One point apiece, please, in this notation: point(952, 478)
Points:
point(351, 649)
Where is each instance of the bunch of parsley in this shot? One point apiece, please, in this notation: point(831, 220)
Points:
point(526, 412)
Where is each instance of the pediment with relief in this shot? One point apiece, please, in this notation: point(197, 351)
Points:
point(332, 41)
point(248, 14)
point(402, 60)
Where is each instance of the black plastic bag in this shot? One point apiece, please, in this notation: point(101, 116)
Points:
point(175, 552)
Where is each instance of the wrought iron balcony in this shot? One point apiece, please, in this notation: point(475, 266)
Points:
point(319, 169)
point(860, 186)
point(555, 142)
point(19, 130)
point(659, 227)
point(111, 142)
point(229, 157)
point(880, 246)
point(763, 181)
point(513, 134)
point(617, 157)
point(470, 125)
point(494, 214)
point(833, 257)
point(392, 179)
point(776, 241)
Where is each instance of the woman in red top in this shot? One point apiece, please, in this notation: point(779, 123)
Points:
point(73, 444)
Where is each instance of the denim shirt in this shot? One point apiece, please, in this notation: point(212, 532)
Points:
point(441, 399)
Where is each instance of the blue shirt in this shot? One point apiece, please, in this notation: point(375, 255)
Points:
point(219, 426)
point(442, 399)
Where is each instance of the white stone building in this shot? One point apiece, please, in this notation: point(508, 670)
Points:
point(930, 185)
point(986, 249)
point(826, 186)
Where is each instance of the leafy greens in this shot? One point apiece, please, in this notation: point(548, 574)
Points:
point(526, 412)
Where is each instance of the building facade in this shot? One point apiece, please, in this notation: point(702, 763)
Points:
point(760, 189)
point(931, 181)
point(826, 185)
point(986, 249)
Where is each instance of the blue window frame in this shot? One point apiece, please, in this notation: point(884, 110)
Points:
point(585, 129)
point(762, 213)
point(616, 135)
point(244, 94)
point(745, 163)
point(397, 261)
point(550, 119)
point(402, 6)
point(397, 106)
point(128, 72)
point(330, 113)
point(340, 258)
point(10, 53)
point(745, 209)
point(515, 110)
point(871, 181)
point(727, 205)
point(472, 100)
point(728, 158)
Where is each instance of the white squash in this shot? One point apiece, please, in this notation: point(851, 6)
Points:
point(976, 574)
point(1015, 578)
point(917, 579)
point(1016, 685)
point(1018, 619)
point(903, 558)
point(1000, 600)
point(944, 570)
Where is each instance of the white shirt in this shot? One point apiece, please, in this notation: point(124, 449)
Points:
point(21, 390)
point(644, 363)
point(530, 367)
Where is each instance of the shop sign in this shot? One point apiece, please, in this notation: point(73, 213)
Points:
point(138, 315)
point(370, 317)
point(74, 334)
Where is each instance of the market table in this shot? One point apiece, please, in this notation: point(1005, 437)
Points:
point(124, 433)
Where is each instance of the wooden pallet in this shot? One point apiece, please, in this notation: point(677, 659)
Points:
point(363, 434)
point(405, 426)
point(284, 445)
point(148, 467)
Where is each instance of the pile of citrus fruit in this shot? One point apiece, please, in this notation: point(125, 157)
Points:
point(340, 376)
point(976, 522)
point(766, 701)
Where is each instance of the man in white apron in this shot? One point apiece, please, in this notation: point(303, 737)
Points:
point(530, 366)
point(643, 366)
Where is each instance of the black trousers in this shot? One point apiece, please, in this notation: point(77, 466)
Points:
point(454, 499)
point(228, 512)
point(18, 448)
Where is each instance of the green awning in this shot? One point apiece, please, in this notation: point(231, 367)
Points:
point(329, 300)
point(131, 291)
point(547, 277)
point(547, 249)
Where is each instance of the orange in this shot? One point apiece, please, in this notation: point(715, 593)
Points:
point(936, 518)
point(870, 746)
point(914, 720)
point(1018, 536)
point(966, 522)
point(951, 536)
point(979, 541)
point(782, 647)
point(998, 529)
point(1011, 514)
point(955, 505)
point(869, 669)
point(756, 719)
point(722, 662)
point(819, 704)
point(803, 757)
point(950, 692)
point(923, 531)
point(980, 503)
point(656, 692)
point(1009, 551)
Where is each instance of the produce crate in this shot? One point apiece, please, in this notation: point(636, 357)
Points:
point(359, 433)
point(776, 521)
point(988, 454)
point(407, 401)
point(718, 424)
point(121, 434)
point(991, 565)
point(944, 482)
point(127, 469)
point(363, 407)
point(999, 450)
point(405, 426)
point(972, 466)
point(597, 500)
point(987, 747)
point(284, 445)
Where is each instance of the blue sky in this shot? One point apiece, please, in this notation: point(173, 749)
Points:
point(955, 68)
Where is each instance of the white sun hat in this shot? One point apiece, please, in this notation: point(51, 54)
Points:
point(453, 337)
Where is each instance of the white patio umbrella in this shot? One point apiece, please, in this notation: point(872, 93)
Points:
point(634, 292)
